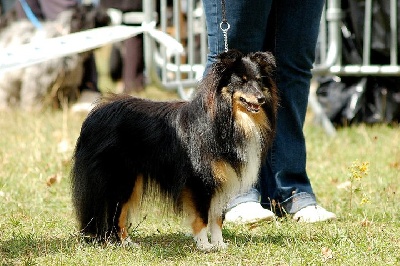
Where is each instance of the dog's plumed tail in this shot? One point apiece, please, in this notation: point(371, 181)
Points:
point(96, 185)
point(89, 189)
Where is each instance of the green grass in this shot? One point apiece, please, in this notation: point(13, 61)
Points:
point(37, 224)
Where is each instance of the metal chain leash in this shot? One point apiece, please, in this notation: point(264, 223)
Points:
point(224, 25)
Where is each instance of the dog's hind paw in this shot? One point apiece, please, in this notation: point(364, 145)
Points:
point(127, 242)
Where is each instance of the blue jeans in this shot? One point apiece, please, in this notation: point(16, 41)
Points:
point(290, 29)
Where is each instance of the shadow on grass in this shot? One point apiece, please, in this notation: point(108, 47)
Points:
point(182, 245)
point(246, 238)
point(166, 245)
point(160, 245)
point(27, 247)
point(178, 246)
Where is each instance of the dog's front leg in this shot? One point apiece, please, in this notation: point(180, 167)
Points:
point(216, 233)
point(200, 234)
point(201, 239)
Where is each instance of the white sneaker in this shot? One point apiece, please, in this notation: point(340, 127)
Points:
point(312, 214)
point(249, 212)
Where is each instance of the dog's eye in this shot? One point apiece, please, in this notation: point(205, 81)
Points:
point(244, 78)
point(264, 80)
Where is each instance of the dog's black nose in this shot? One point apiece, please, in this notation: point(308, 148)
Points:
point(261, 99)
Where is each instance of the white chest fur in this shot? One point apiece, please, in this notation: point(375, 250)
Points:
point(232, 184)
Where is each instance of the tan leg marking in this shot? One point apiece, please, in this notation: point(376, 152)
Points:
point(132, 203)
point(199, 227)
point(188, 207)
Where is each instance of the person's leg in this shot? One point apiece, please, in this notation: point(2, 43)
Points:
point(133, 65)
point(90, 75)
point(248, 24)
point(284, 178)
point(89, 90)
point(6, 5)
point(52, 8)
point(33, 5)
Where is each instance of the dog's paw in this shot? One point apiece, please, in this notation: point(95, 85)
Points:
point(220, 245)
point(205, 246)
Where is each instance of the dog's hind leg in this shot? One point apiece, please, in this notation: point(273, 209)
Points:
point(196, 221)
point(132, 204)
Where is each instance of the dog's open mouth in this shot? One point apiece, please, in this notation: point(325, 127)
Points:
point(251, 107)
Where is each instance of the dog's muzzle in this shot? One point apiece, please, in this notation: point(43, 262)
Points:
point(253, 107)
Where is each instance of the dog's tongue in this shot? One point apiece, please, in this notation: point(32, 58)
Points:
point(254, 106)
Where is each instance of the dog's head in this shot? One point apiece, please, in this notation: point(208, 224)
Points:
point(88, 17)
point(246, 82)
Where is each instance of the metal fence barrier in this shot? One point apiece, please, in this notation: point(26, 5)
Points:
point(331, 44)
point(184, 21)
point(330, 62)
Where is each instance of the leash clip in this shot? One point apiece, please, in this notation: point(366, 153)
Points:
point(225, 26)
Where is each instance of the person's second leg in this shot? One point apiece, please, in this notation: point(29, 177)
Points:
point(284, 179)
point(51, 9)
point(33, 5)
point(89, 90)
point(133, 65)
point(246, 208)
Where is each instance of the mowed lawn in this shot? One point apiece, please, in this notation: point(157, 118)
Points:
point(355, 174)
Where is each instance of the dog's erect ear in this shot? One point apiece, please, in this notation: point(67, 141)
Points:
point(220, 70)
point(229, 57)
point(266, 61)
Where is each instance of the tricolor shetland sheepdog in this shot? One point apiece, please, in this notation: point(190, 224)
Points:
point(197, 154)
